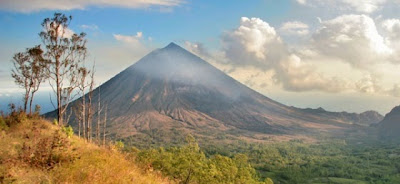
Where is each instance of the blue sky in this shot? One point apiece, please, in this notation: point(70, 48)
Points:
point(337, 54)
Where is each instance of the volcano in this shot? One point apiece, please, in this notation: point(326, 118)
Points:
point(173, 90)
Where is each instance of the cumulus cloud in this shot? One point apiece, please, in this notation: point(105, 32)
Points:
point(368, 84)
point(37, 5)
point(392, 30)
point(255, 43)
point(296, 75)
point(198, 49)
point(362, 6)
point(295, 28)
point(353, 39)
point(129, 38)
point(371, 84)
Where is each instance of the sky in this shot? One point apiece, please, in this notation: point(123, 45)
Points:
point(341, 55)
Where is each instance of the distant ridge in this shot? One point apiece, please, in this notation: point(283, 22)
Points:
point(390, 125)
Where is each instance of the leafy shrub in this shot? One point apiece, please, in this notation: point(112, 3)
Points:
point(68, 131)
point(119, 145)
point(55, 122)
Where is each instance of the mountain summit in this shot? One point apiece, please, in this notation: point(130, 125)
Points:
point(173, 90)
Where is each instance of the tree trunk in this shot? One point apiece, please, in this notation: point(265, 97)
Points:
point(58, 86)
point(98, 119)
point(26, 98)
point(104, 127)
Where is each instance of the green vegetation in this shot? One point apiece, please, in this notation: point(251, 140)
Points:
point(355, 159)
point(188, 164)
point(329, 162)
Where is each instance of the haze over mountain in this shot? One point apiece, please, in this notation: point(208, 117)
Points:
point(172, 89)
point(390, 125)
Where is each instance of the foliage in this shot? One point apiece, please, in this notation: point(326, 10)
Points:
point(65, 55)
point(29, 72)
point(68, 131)
point(329, 162)
point(188, 164)
point(119, 145)
point(55, 122)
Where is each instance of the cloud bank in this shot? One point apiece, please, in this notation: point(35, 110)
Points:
point(256, 54)
point(256, 43)
point(361, 6)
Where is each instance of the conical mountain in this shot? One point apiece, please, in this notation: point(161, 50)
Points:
point(172, 89)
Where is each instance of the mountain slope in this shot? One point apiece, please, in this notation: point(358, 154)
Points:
point(172, 89)
point(366, 118)
point(390, 125)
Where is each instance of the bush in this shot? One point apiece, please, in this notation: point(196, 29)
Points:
point(45, 152)
point(68, 131)
point(3, 125)
point(55, 122)
point(17, 115)
point(188, 164)
point(119, 145)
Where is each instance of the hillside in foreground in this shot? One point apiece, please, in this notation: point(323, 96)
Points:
point(33, 150)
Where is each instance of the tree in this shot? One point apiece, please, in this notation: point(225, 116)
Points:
point(29, 72)
point(65, 53)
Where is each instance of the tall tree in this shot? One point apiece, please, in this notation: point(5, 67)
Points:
point(81, 115)
point(29, 73)
point(90, 106)
point(65, 51)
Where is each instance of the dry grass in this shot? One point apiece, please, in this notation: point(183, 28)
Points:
point(27, 156)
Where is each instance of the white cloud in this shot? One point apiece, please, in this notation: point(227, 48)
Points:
point(37, 5)
point(90, 27)
point(392, 26)
point(129, 38)
point(296, 75)
point(353, 39)
point(368, 84)
point(392, 29)
point(362, 6)
point(295, 28)
point(255, 43)
point(303, 2)
point(365, 6)
point(198, 49)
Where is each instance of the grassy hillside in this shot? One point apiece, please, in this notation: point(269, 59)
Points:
point(33, 150)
